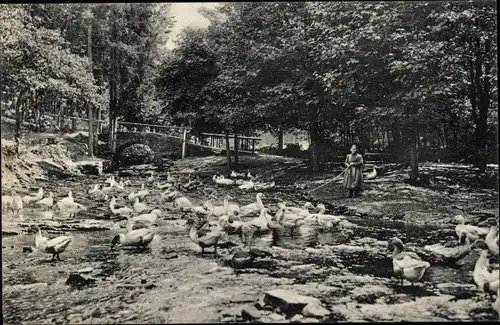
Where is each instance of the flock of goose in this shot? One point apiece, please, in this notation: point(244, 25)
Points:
point(247, 221)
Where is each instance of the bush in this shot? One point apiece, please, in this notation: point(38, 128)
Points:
point(136, 154)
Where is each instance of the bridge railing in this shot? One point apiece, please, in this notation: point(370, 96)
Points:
point(218, 141)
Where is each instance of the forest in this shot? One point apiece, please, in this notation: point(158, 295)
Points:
point(415, 78)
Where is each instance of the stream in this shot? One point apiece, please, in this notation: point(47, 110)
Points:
point(168, 281)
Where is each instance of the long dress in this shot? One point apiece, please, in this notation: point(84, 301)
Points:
point(353, 178)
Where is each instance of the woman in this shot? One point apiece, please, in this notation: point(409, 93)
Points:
point(353, 177)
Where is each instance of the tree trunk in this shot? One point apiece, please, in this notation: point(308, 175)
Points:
point(314, 148)
point(228, 149)
point(236, 148)
point(483, 106)
point(413, 154)
point(280, 140)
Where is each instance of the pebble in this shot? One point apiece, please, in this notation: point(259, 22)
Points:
point(276, 317)
point(85, 270)
point(250, 312)
point(315, 310)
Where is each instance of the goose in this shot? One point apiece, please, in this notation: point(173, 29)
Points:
point(138, 237)
point(182, 203)
point(290, 211)
point(221, 210)
point(120, 186)
point(121, 211)
point(262, 221)
point(138, 206)
point(16, 204)
point(290, 223)
point(222, 181)
point(47, 202)
point(28, 199)
point(151, 178)
point(94, 189)
point(247, 185)
point(170, 195)
point(406, 265)
point(249, 176)
point(235, 174)
point(206, 236)
point(146, 219)
point(496, 305)
point(325, 221)
point(472, 232)
point(372, 175)
point(163, 186)
point(264, 186)
point(492, 240)
point(110, 180)
point(199, 210)
point(107, 189)
point(66, 201)
point(53, 246)
point(127, 183)
point(142, 193)
point(254, 207)
point(99, 196)
point(73, 209)
point(170, 178)
point(451, 254)
point(486, 275)
point(7, 202)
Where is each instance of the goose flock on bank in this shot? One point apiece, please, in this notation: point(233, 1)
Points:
point(249, 221)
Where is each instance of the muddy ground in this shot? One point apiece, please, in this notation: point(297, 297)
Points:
point(348, 268)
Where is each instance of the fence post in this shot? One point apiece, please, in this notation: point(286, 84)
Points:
point(184, 136)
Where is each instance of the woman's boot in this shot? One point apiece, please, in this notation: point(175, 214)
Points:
point(350, 193)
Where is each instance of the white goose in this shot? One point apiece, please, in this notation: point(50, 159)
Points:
point(142, 193)
point(16, 204)
point(94, 189)
point(472, 232)
point(492, 240)
point(139, 237)
point(222, 181)
point(170, 178)
point(163, 186)
point(252, 208)
point(247, 185)
point(120, 211)
point(235, 174)
point(151, 178)
point(119, 186)
point(324, 220)
point(372, 175)
point(47, 202)
point(138, 206)
point(53, 246)
point(66, 201)
point(486, 275)
point(28, 199)
point(406, 265)
point(293, 211)
point(145, 220)
point(182, 203)
point(170, 195)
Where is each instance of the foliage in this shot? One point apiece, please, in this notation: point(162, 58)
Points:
point(136, 154)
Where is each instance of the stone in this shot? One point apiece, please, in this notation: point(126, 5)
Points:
point(288, 301)
point(297, 318)
point(303, 267)
point(314, 310)
point(28, 249)
point(310, 320)
point(276, 317)
point(86, 270)
point(250, 313)
point(77, 279)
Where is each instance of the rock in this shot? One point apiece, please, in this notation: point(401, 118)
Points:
point(250, 313)
point(297, 318)
point(28, 249)
point(288, 301)
point(85, 270)
point(456, 289)
point(314, 310)
point(369, 293)
point(77, 279)
point(310, 320)
point(276, 317)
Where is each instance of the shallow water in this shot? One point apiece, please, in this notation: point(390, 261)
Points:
point(58, 302)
